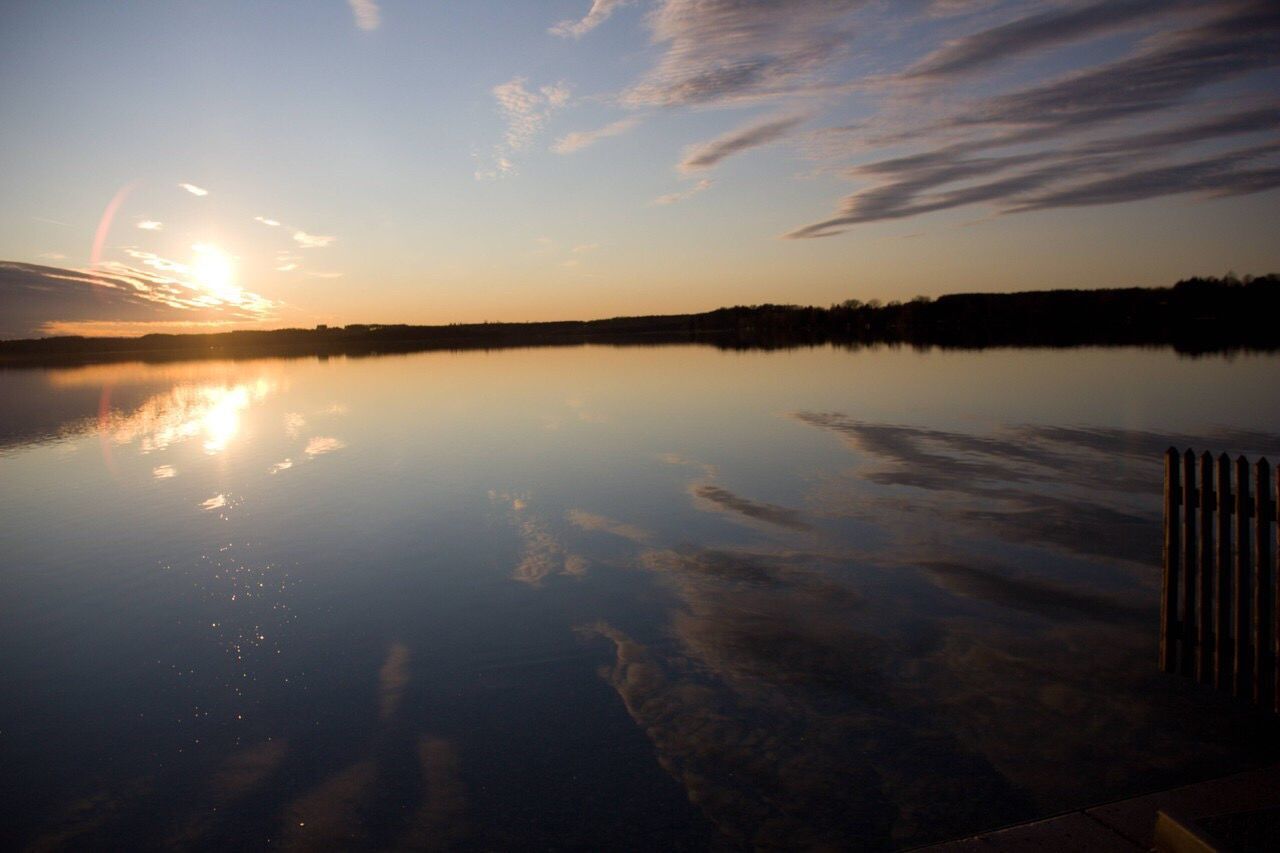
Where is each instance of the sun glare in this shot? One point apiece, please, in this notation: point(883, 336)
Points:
point(214, 272)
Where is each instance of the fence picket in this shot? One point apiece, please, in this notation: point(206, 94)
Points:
point(1220, 602)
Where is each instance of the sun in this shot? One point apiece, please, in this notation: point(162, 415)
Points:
point(214, 272)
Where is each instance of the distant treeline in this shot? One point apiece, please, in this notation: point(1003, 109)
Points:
point(1196, 315)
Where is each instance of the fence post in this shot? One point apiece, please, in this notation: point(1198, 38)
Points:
point(1169, 596)
point(1190, 580)
point(1243, 582)
point(1222, 622)
point(1204, 617)
point(1262, 587)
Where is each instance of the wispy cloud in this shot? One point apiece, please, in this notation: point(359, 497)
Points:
point(193, 189)
point(312, 241)
point(526, 112)
point(1101, 171)
point(38, 299)
point(150, 225)
point(1055, 27)
point(598, 13)
point(672, 198)
point(270, 223)
point(580, 139)
point(725, 51)
point(367, 14)
point(752, 136)
point(1039, 147)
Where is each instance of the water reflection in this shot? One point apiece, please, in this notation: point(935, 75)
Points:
point(211, 412)
point(542, 553)
point(912, 603)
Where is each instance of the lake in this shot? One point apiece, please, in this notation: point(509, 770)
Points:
point(600, 597)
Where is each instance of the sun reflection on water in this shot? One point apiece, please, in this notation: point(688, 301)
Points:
point(213, 412)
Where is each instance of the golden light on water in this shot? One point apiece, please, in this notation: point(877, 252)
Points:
point(210, 412)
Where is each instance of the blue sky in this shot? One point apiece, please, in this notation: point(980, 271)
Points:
point(440, 161)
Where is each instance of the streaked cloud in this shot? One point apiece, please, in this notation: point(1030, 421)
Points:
point(157, 294)
point(150, 225)
point(270, 223)
point(726, 51)
point(312, 241)
point(367, 14)
point(751, 136)
point(671, 198)
point(580, 139)
point(1100, 171)
point(598, 13)
point(194, 190)
point(1052, 28)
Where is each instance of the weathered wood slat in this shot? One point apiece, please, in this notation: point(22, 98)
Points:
point(1222, 620)
point(1205, 572)
point(1243, 583)
point(1262, 595)
point(1172, 557)
point(1191, 579)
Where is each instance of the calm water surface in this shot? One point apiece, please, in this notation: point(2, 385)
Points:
point(598, 597)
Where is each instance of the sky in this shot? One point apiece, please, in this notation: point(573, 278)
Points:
point(184, 166)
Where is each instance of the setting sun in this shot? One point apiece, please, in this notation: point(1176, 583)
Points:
point(214, 272)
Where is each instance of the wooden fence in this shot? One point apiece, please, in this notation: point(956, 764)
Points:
point(1218, 611)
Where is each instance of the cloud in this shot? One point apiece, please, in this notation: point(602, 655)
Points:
point(1161, 74)
point(271, 223)
point(1048, 29)
point(1217, 175)
point(526, 112)
point(311, 241)
point(598, 13)
point(580, 139)
point(193, 189)
point(150, 225)
point(672, 198)
point(1026, 149)
point(726, 51)
point(752, 136)
point(118, 299)
point(912, 185)
point(367, 14)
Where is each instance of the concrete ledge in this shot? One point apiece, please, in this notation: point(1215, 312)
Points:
point(1129, 825)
